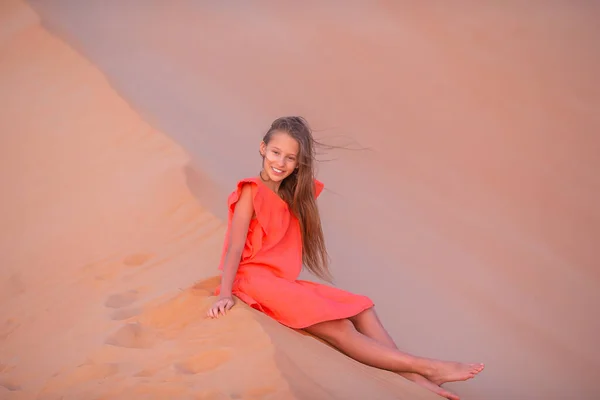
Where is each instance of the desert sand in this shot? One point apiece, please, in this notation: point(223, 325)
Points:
point(466, 203)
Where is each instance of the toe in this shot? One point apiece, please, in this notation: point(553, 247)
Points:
point(475, 368)
point(448, 395)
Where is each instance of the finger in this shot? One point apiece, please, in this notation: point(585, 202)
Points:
point(225, 307)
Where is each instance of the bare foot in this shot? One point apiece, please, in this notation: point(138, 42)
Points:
point(447, 371)
point(427, 384)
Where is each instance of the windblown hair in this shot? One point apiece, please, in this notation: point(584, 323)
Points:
point(298, 191)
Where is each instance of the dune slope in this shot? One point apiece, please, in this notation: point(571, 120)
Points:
point(107, 258)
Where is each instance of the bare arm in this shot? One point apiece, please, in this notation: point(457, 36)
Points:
point(244, 210)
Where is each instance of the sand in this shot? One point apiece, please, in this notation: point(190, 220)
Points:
point(109, 302)
point(472, 214)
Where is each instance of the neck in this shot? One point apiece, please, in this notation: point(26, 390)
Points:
point(274, 186)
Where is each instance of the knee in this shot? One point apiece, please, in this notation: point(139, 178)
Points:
point(365, 314)
point(332, 331)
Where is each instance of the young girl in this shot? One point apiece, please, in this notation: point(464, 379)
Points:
point(274, 228)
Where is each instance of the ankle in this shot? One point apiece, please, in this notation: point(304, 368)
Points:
point(425, 367)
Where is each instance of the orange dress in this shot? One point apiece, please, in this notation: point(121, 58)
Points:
point(272, 260)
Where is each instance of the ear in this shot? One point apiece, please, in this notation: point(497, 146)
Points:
point(262, 149)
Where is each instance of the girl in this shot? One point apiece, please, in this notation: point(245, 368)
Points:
point(274, 228)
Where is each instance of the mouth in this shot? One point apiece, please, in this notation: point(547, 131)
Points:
point(277, 171)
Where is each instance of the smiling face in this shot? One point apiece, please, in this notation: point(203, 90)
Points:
point(280, 156)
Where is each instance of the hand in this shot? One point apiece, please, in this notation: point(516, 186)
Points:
point(221, 306)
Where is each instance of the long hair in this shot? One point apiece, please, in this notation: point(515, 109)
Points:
point(298, 191)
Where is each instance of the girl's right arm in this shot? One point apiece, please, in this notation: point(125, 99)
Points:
point(244, 210)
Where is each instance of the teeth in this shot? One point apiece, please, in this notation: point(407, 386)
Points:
point(277, 170)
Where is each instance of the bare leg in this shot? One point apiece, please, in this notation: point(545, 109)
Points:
point(369, 325)
point(343, 335)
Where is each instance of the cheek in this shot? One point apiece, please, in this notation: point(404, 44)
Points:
point(291, 164)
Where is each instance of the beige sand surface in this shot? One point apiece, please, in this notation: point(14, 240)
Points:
point(102, 241)
point(473, 218)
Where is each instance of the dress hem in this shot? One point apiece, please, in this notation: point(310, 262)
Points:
point(320, 320)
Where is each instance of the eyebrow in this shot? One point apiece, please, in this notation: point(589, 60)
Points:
point(277, 148)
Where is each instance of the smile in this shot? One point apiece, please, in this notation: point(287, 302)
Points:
point(277, 171)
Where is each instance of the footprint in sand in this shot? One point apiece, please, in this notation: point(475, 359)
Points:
point(84, 373)
point(91, 371)
point(4, 368)
point(137, 259)
point(204, 362)
point(119, 315)
point(132, 335)
point(120, 300)
point(146, 373)
point(9, 384)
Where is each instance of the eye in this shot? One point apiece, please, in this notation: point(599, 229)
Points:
point(275, 152)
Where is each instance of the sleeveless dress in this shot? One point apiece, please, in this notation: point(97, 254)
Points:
point(272, 260)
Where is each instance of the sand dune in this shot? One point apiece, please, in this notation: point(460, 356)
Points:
point(102, 241)
point(472, 216)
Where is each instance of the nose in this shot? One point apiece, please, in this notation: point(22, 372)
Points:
point(280, 162)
